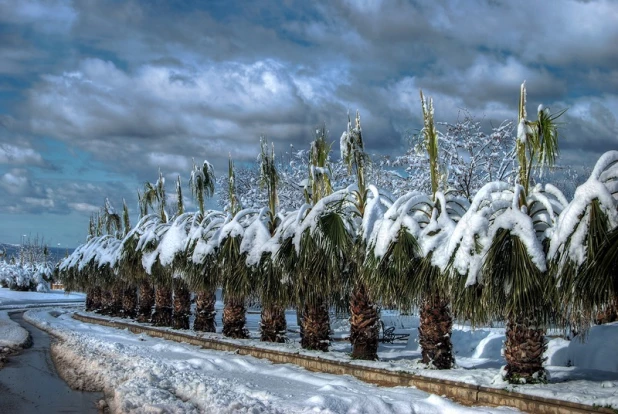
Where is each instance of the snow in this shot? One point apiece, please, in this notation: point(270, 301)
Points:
point(598, 351)
point(143, 374)
point(12, 335)
point(140, 373)
point(10, 299)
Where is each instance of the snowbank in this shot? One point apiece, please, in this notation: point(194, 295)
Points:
point(597, 351)
point(12, 336)
point(143, 374)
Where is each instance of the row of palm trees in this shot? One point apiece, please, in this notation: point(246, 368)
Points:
point(516, 252)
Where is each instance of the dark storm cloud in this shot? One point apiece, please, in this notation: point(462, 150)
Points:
point(142, 85)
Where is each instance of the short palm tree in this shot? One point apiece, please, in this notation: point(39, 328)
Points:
point(582, 252)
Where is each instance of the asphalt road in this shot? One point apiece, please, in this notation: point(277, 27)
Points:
point(29, 382)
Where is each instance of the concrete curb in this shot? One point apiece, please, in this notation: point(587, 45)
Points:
point(458, 391)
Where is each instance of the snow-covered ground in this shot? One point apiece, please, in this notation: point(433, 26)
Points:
point(140, 372)
point(12, 336)
point(10, 299)
point(144, 374)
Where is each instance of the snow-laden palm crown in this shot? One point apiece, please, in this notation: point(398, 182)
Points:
point(316, 234)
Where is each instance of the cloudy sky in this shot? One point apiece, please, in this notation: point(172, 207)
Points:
point(96, 96)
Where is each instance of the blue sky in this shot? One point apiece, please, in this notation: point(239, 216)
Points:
point(96, 96)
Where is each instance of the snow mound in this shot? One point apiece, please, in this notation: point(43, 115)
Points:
point(12, 335)
point(598, 350)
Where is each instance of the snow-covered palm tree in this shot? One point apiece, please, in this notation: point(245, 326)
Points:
point(582, 250)
point(202, 184)
point(500, 245)
point(260, 242)
point(364, 313)
point(313, 248)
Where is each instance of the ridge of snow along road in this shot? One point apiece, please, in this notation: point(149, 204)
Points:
point(140, 374)
point(12, 337)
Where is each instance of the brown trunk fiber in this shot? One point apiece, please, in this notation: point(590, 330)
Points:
point(116, 305)
point(162, 315)
point(96, 298)
point(106, 302)
point(129, 302)
point(234, 319)
point(523, 350)
point(434, 333)
point(182, 305)
point(364, 326)
point(205, 311)
point(315, 328)
point(89, 299)
point(273, 325)
point(146, 301)
point(608, 315)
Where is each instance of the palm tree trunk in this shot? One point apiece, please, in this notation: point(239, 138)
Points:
point(162, 315)
point(434, 333)
point(608, 315)
point(273, 324)
point(364, 325)
point(129, 302)
point(146, 301)
point(89, 299)
point(234, 319)
point(205, 311)
point(315, 327)
point(96, 298)
point(182, 305)
point(116, 305)
point(106, 301)
point(523, 350)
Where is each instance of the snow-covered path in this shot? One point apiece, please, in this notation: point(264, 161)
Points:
point(144, 374)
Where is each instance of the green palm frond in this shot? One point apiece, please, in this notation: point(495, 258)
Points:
point(202, 183)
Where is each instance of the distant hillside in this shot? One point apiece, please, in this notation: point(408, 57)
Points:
point(55, 254)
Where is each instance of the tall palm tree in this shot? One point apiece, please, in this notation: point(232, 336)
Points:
point(182, 294)
point(313, 246)
point(364, 313)
point(269, 288)
point(405, 263)
point(233, 274)
point(202, 183)
point(163, 309)
point(129, 297)
point(508, 272)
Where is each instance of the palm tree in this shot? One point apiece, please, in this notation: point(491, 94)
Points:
point(129, 297)
point(582, 251)
point(507, 272)
point(162, 315)
point(202, 183)
point(405, 263)
point(233, 274)
point(182, 294)
point(364, 314)
point(270, 289)
point(201, 268)
point(312, 248)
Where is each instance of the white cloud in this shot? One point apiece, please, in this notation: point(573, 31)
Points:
point(83, 207)
point(15, 155)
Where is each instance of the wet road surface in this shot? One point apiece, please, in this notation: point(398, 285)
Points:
point(29, 382)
